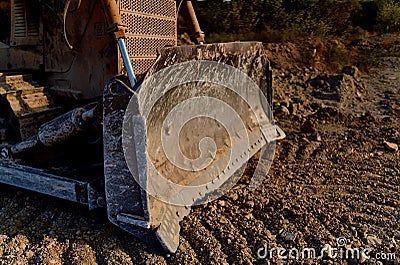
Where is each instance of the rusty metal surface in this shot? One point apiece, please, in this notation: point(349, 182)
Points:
point(80, 73)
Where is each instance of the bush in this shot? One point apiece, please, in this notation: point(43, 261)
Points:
point(388, 15)
point(280, 20)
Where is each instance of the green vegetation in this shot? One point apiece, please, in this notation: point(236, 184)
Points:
point(388, 14)
point(347, 22)
point(281, 20)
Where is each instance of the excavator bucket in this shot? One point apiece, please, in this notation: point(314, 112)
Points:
point(184, 136)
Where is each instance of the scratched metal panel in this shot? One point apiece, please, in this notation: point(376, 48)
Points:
point(40, 181)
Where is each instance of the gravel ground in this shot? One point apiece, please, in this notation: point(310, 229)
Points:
point(336, 175)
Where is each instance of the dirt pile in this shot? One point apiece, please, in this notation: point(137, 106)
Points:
point(313, 53)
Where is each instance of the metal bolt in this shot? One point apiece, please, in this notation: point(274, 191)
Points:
point(101, 202)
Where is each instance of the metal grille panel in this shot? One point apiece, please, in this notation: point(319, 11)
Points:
point(146, 47)
point(142, 25)
point(151, 25)
point(164, 8)
point(143, 63)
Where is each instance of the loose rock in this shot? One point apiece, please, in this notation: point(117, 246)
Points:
point(391, 146)
point(308, 127)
